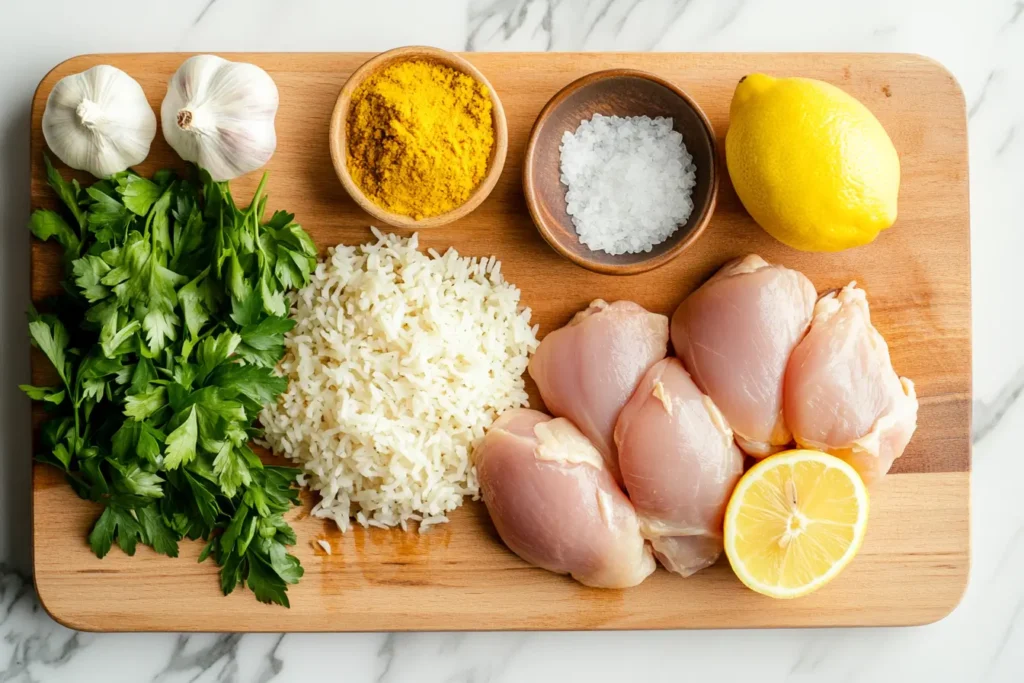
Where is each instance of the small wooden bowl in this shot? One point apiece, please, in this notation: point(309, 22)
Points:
point(619, 92)
point(339, 139)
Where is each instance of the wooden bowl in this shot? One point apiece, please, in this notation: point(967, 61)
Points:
point(621, 92)
point(339, 139)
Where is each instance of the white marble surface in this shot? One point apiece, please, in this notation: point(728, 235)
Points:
point(982, 42)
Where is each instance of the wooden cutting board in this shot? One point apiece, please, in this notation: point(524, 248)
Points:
point(914, 563)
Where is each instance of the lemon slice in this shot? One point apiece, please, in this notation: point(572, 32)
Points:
point(795, 520)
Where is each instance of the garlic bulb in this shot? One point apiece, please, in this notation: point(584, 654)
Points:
point(99, 121)
point(220, 115)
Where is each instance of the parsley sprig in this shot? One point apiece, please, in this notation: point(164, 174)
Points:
point(172, 318)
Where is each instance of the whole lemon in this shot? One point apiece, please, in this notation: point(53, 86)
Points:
point(811, 164)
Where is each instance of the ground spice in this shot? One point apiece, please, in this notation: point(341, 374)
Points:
point(419, 138)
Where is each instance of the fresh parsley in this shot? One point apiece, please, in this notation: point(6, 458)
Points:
point(173, 318)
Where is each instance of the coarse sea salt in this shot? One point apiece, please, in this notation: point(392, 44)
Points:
point(630, 182)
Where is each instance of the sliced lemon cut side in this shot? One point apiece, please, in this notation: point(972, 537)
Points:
point(795, 520)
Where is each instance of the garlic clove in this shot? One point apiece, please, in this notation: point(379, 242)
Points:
point(99, 121)
point(220, 115)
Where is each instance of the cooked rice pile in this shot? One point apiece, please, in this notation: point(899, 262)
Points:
point(398, 362)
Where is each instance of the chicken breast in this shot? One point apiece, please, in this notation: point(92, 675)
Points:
point(679, 465)
point(556, 505)
point(735, 334)
point(842, 395)
point(587, 370)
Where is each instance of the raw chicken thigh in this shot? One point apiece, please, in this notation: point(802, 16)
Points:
point(842, 394)
point(555, 503)
point(587, 370)
point(735, 334)
point(679, 464)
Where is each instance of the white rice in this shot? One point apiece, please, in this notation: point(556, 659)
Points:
point(397, 364)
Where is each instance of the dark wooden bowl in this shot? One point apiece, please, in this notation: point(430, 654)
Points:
point(620, 92)
point(339, 136)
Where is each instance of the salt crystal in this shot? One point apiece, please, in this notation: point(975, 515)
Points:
point(628, 182)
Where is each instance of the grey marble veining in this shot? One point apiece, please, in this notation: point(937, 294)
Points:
point(981, 42)
point(989, 414)
point(567, 25)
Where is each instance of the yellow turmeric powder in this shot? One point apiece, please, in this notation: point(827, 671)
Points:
point(419, 138)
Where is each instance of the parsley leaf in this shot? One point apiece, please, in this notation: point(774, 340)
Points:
point(257, 384)
point(126, 439)
point(102, 536)
point(197, 301)
point(234, 529)
point(46, 224)
point(143, 404)
point(134, 481)
point(268, 333)
point(163, 539)
point(67, 192)
point(108, 218)
point(210, 400)
point(181, 443)
point(48, 394)
point(117, 524)
point(89, 271)
point(265, 583)
point(143, 374)
point(49, 335)
point(113, 341)
point(205, 501)
point(263, 343)
point(150, 442)
point(160, 321)
point(287, 566)
point(215, 350)
point(138, 193)
point(273, 300)
point(248, 311)
point(231, 470)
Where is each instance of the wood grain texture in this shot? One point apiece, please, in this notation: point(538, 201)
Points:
point(914, 564)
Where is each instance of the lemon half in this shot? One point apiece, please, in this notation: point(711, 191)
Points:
point(795, 520)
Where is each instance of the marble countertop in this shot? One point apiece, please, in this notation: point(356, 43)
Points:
point(981, 42)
